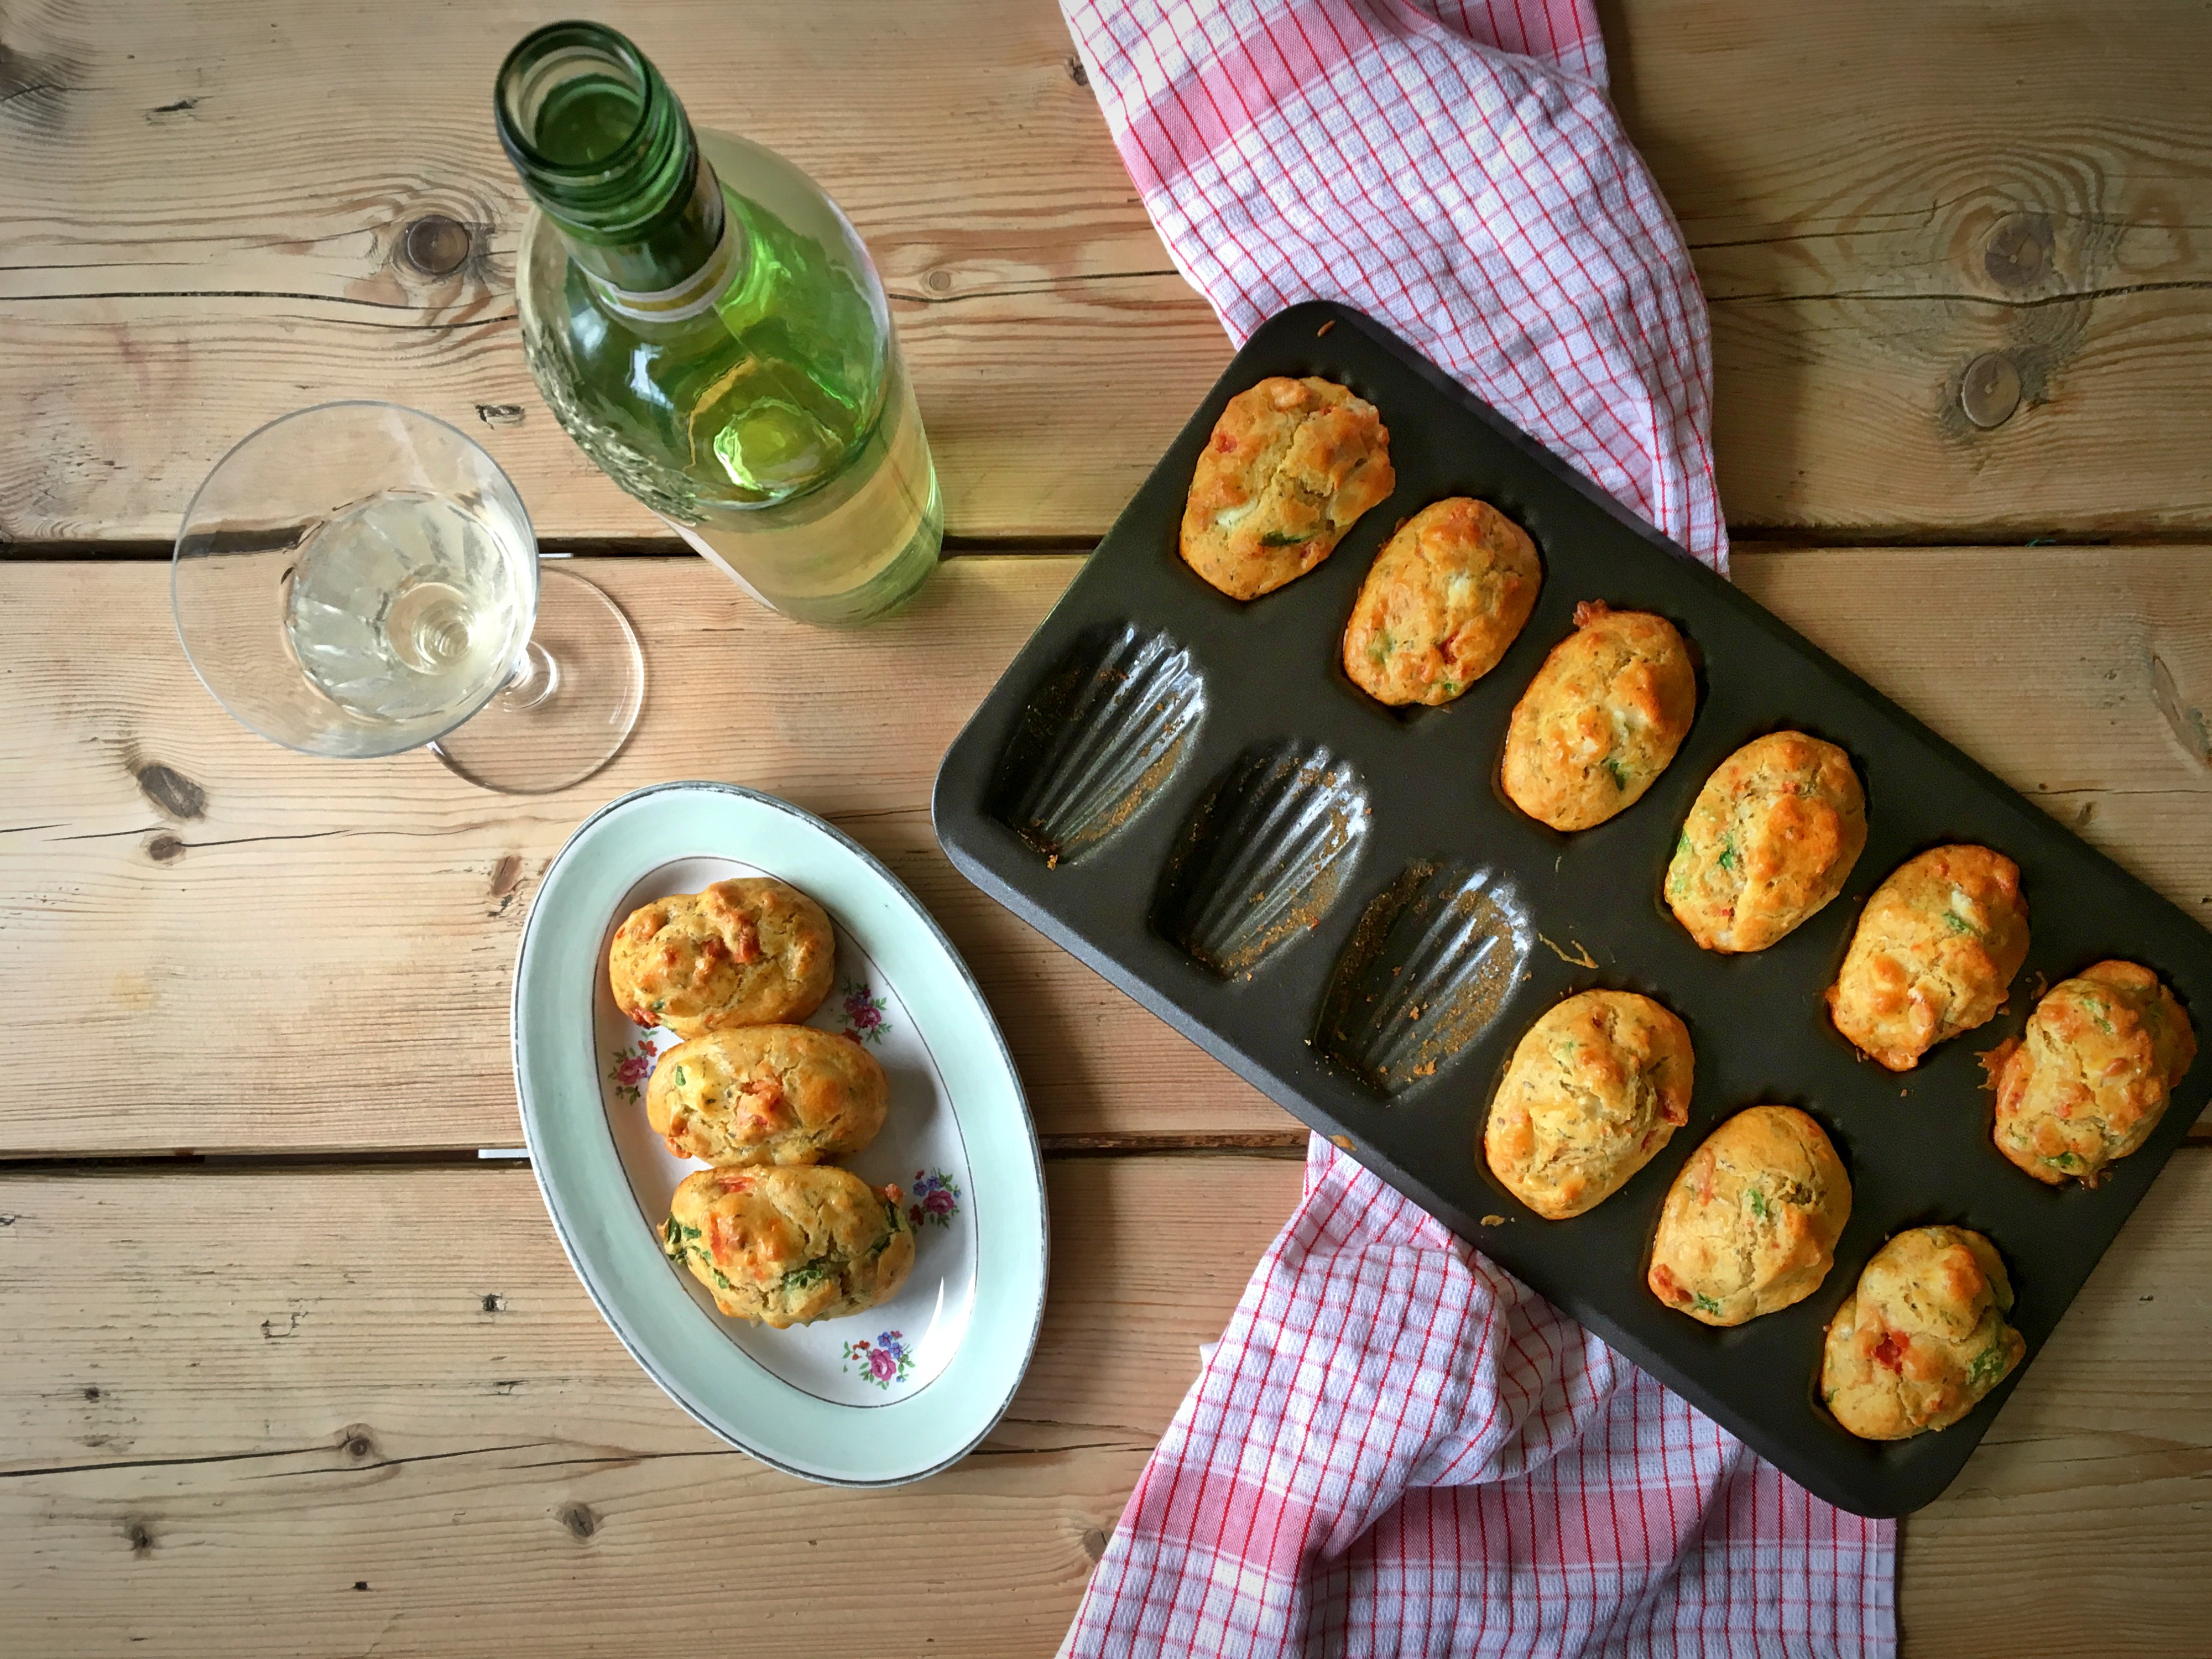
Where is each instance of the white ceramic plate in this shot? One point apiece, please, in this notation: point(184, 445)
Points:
point(885, 1396)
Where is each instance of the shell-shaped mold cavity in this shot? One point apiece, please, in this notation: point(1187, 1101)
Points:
point(1098, 738)
point(1264, 856)
point(1427, 969)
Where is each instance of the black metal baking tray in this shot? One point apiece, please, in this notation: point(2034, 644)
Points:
point(1333, 897)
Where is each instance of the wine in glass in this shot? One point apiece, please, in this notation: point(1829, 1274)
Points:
point(359, 579)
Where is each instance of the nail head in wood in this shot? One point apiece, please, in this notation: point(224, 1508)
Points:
point(1989, 390)
point(436, 246)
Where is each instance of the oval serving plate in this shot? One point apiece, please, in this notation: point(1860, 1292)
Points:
point(886, 1396)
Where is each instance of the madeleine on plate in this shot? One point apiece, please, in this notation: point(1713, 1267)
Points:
point(790, 1244)
point(751, 951)
point(767, 1094)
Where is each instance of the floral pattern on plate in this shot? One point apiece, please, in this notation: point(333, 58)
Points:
point(629, 1066)
point(864, 1014)
point(883, 1361)
point(936, 1200)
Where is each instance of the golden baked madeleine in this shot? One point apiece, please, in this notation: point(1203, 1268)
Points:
point(1750, 1224)
point(1770, 838)
point(1445, 597)
point(1923, 1336)
point(787, 1245)
point(751, 951)
point(2089, 1079)
point(1935, 950)
point(767, 1094)
point(1291, 466)
point(1595, 1089)
point(1602, 719)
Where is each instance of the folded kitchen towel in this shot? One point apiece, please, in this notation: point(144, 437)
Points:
point(1396, 1447)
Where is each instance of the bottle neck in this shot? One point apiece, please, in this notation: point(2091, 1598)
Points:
point(608, 154)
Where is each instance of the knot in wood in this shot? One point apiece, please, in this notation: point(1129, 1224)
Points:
point(2018, 250)
point(171, 791)
point(580, 1521)
point(435, 244)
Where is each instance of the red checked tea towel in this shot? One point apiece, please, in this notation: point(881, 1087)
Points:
point(1396, 1447)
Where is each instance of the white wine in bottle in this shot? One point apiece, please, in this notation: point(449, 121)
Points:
point(707, 325)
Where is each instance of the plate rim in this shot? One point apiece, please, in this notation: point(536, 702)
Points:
point(1033, 1284)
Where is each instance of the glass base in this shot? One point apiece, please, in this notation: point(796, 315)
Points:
point(571, 708)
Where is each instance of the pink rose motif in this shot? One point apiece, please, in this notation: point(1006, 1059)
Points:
point(882, 1367)
point(939, 1202)
point(635, 1068)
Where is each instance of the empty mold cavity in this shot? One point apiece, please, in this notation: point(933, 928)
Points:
point(1264, 856)
point(1426, 971)
point(1098, 738)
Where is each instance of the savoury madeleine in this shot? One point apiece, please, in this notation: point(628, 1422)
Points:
point(1923, 1336)
point(1291, 466)
point(2089, 1079)
point(787, 1245)
point(1770, 838)
point(1595, 1089)
point(1445, 597)
point(1750, 1224)
point(751, 951)
point(1935, 950)
point(1602, 719)
point(767, 1094)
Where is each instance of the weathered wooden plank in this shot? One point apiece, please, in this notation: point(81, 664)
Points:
point(153, 261)
point(320, 958)
point(316, 1388)
point(350, 1302)
point(370, 910)
point(1868, 210)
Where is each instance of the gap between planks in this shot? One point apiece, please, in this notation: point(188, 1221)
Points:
point(1288, 1144)
point(1749, 538)
point(1285, 1146)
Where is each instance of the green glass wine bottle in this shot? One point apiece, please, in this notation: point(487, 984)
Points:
point(707, 325)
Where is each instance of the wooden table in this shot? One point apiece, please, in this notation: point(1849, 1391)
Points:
point(290, 1370)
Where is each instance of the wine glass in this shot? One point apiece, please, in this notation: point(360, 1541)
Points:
point(358, 578)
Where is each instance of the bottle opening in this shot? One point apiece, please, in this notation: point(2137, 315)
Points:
point(573, 97)
point(605, 149)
